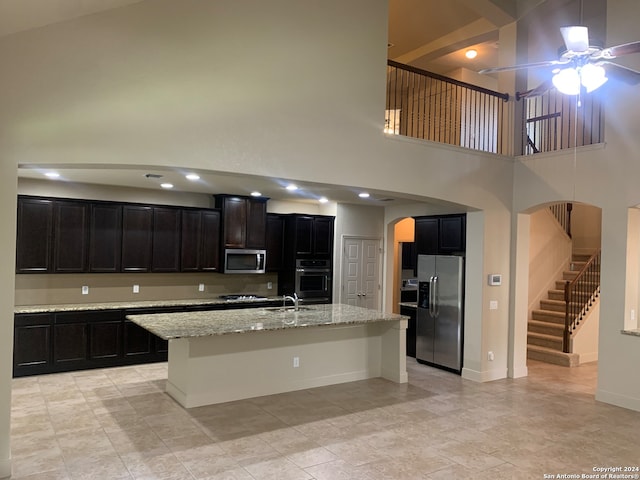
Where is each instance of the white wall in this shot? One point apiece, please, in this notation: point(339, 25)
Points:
point(282, 89)
point(604, 176)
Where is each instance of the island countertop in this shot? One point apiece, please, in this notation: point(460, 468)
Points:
point(222, 322)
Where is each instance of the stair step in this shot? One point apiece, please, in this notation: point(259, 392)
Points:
point(542, 340)
point(535, 352)
point(556, 294)
point(549, 316)
point(546, 328)
point(554, 305)
point(569, 274)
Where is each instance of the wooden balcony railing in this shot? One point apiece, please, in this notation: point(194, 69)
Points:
point(428, 106)
point(580, 295)
point(554, 121)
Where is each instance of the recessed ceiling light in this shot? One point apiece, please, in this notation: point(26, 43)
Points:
point(52, 175)
point(470, 54)
point(166, 185)
point(323, 199)
point(291, 187)
point(256, 194)
point(192, 176)
point(363, 195)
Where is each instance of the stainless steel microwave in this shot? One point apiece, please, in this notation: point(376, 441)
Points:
point(240, 260)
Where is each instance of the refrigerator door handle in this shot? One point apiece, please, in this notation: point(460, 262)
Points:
point(436, 297)
point(431, 297)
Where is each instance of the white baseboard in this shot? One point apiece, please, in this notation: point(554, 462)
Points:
point(485, 376)
point(632, 403)
point(588, 357)
point(519, 372)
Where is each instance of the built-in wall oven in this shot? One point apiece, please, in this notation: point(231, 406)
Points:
point(313, 280)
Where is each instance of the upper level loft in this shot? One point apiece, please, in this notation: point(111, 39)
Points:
point(435, 93)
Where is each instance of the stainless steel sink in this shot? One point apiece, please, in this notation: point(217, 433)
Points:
point(286, 309)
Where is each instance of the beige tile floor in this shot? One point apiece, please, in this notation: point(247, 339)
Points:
point(118, 424)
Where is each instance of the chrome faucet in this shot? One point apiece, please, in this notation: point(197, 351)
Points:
point(293, 298)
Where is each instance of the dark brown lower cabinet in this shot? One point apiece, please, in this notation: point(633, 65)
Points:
point(411, 329)
point(69, 344)
point(32, 344)
point(66, 341)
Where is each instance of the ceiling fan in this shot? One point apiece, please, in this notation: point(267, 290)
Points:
point(581, 66)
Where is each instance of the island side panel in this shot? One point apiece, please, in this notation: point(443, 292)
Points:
point(222, 368)
point(394, 350)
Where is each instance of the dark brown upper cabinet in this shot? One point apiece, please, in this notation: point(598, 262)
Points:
point(274, 240)
point(34, 241)
point(200, 246)
point(441, 235)
point(137, 235)
point(105, 238)
point(244, 221)
point(71, 236)
point(165, 255)
point(308, 236)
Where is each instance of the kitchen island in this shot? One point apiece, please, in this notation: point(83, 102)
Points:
point(221, 356)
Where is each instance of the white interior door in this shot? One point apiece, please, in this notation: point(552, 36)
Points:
point(361, 272)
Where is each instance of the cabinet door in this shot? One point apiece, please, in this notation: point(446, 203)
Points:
point(34, 235)
point(105, 335)
point(323, 237)
point(210, 241)
point(235, 222)
point(32, 344)
point(256, 223)
point(105, 238)
point(136, 238)
point(71, 236)
point(304, 236)
point(452, 234)
point(166, 240)
point(408, 256)
point(137, 340)
point(69, 344)
point(274, 234)
point(426, 235)
point(411, 330)
point(190, 249)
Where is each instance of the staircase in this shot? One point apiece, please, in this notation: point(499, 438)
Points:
point(546, 325)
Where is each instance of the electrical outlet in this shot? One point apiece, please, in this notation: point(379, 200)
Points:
point(491, 356)
point(296, 362)
point(85, 290)
point(201, 287)
point(136, 289)
point(633, 314)
point(493, 305)
point(269, 285)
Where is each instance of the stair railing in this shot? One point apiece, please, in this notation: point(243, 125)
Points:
point(579, 295)
point(562, 212)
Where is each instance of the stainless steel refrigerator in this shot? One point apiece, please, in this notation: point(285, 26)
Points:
point(439, 321)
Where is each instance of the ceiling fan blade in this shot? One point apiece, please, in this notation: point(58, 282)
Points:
point(576, 38)
point(547, 63)
point(619, 50)
point(535, 92)
point(627, 75)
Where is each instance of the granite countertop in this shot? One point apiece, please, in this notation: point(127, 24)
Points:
point(409, 304)
point(221, 322)
point(74, 307)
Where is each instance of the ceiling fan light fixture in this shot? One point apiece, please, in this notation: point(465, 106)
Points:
point(567, 81)
point(592, 77)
